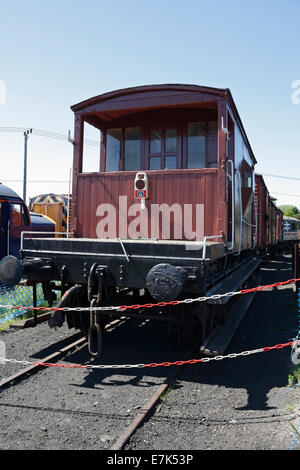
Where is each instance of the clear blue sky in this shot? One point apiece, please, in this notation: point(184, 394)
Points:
point(55, 54)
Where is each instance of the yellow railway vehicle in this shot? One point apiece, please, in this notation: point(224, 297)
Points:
point(54, 206)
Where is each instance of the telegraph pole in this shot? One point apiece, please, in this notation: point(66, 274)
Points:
point(26, 136)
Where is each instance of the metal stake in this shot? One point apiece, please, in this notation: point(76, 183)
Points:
point(34, 303)
point(26, 136)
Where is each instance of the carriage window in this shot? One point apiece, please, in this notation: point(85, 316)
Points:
point(113, 149)
point(171, 140)
point(91, 148)
point(171, 162)
point(165, 148)
point(196, 144)
point(132, 157)
point(17, 215)
point(248, 179)
point(154, 163)
point(155, 141)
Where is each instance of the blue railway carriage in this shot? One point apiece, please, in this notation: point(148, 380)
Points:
point(291, 229)
point(15, 218)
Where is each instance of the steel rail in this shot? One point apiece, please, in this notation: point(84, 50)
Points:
point(152, 402)
point(145, 410)
point(148, 408)
point(30, 370)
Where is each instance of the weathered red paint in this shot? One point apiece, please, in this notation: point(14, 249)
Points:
point(269, 217)
point(151, 106)
point(170, 187)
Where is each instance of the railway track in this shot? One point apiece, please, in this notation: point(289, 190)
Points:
point(32, 369)
point(149, 405)
point(215, 344)
point(78, 345)
point(60, 354)
point(81, 343)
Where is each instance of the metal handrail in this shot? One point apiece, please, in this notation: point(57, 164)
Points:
point(41, 233)
point(232, 207)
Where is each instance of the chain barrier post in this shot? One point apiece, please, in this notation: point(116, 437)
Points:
point(2, 352)
point(295, 263)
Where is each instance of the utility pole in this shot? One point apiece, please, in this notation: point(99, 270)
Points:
point(26, 136)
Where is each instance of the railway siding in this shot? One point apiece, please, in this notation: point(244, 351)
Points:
point(238, 404)
point(245, 403)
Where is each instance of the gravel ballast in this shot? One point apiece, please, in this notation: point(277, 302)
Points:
point(79, 408)
point(242, 403)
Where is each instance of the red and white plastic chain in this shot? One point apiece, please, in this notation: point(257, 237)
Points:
point(152, 364)
point(122, 308)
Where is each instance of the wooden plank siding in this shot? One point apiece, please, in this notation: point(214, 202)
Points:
point(177, 187)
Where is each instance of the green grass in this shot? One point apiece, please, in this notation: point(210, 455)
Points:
point(165, 395)
point(294, 376)
point(6, 325)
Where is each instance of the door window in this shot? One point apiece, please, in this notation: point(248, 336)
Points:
point(155, 163)
point(156, 141)
point(196, 144)
point(132, 155)
point(171, 140)
point(170, 162)
point(163, 149)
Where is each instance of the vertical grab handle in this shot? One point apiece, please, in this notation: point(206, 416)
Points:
point(232, 206)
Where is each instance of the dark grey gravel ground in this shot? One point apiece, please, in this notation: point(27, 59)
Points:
point(79, 408)
point(241, 403)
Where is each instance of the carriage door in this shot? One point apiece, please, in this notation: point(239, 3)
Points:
point(163, 149)
point(4, 220)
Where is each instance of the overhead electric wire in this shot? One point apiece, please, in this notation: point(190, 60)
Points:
point(34, 181)
point(285, 194)
point(280, 176)
point(58, 136)
point(42, 133)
